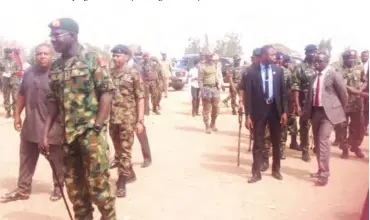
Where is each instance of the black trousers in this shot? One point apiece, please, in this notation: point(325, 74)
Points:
point(272, 119)
point(29, 154)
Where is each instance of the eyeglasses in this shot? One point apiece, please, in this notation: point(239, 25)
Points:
point(57, 36)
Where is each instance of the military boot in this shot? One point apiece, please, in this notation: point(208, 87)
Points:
point(145, 148)
point(121, 186)
point(193, 108)
point(294, 144)
point(357, 152)
point(305, 154)
point(197, 102)
point(156, 110)
point(132, 177)
point(8, 114)
point(213, 124)
point(233, 111)
point(208, 129)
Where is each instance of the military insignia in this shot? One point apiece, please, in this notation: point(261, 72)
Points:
point(56, 23)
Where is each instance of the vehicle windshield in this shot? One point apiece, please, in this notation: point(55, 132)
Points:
point(182, 64)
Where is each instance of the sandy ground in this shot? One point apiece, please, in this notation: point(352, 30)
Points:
point(194, 176)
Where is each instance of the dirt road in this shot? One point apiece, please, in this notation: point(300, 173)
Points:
point(194, 176)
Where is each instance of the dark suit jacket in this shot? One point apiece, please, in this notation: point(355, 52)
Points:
point(255, 100)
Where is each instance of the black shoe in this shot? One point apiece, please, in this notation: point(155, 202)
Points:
point(315, 175)
point(55, 195)
point(277, 175)
point(306, 156)
point(13, 196)
point(113, 165)
point(322, 181)
point(121, 187)
point(293, 144)
point(357, 152)
point(146, 163)
point(345, 153)
point(254, 179)
point(132, 177)
point(265, 166)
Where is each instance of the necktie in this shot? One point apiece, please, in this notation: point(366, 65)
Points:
point(267, 89)
point(317, 92)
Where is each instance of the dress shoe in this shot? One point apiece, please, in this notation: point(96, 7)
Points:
point(254, 179)
point(277, 175)
point(306, 156)
point(56, 194)
point(13, 196)
point(315, 175)
point(146, 163)
point(357, 152)
point(121, 187)
point(322, 181)
point(265, 166)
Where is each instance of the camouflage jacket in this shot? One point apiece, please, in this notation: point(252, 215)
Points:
point(207, 75)
point(236, 74)
point(353, 78)
point(129, 88)
point(302, 75)
point(287, 78)
point(76, 85)
point(10, 67)
point(152, 71)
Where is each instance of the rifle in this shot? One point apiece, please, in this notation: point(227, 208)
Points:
point(240, 133)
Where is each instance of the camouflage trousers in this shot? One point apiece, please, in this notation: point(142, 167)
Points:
point(291, 128)
point(123, 139)
point(233, 96)
point(87, 176)
point(155, 92)
point(10, 89)
point(355, 125)
point(210, 102)
point(304, 134)
point(267, 145)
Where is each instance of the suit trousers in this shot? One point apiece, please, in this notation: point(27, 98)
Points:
point(322, 128)
point(272, 119)
point(29, 154)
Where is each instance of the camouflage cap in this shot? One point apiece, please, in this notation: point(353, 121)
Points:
point(286, 58)
point(66, 24)
point(257, 52)
point(8, 50)
point(121, 49)
point(310, 48)
point(237, 57)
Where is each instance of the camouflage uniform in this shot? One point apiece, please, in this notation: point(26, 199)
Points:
point(303, 73)
point(266, 150)
point(236, 76)
point(76, 85)
point(123, 119)
point(354, 113)
point(210, 94)
point(152, 73)
point(10, 84)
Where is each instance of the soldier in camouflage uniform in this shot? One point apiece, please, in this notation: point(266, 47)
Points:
point(152, 74)
point(10, 80)
point(354, 110)
point(279, 59)
point(127, 114)
point(210, 92)
point(234, 80)
point(303, 73)
point(81, 92)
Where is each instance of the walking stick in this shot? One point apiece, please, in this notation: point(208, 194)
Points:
point(240, 134)
point(47, 156)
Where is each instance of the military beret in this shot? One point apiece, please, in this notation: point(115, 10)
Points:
point(237, 57)
point(279, 55)
point(121, 49)
point(349, 53)
point(8, 50)
point(310, 47)
point(257, 52)
point(286, 58)
point(66, 24)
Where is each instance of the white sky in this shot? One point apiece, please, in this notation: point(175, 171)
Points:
point(167, 25)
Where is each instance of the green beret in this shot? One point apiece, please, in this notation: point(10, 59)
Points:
point(65, 24)
point(8, 50)
point(121, 49)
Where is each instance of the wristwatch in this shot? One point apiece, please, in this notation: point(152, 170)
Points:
point(97, 128)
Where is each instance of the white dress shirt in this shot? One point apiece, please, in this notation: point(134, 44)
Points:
point(322, 77)
point(193, 77)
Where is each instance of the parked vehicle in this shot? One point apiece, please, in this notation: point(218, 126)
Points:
point(178, 78)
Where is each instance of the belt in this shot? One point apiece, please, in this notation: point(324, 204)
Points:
point(209, 85)
point(269, 101)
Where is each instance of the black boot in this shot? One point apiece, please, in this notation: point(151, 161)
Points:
point(294, 144)
point(145, 148)
point(132, 177)
point(306, 155)
point(197, 102)
point(121, 186)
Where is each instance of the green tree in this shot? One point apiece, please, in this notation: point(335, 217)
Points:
point(194, 46)
point(229, 45)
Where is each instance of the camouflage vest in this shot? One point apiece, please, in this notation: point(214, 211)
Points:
point(352, 78)
point(208, 72)
point(150, 71)
point(236, 74)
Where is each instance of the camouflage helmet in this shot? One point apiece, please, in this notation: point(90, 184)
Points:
point(237, 57)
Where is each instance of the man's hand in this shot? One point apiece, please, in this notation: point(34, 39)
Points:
point(17, 123)
point(283, 120)
point(139, 128)
point(248, 123)
point(44, 146)
point(240, 106)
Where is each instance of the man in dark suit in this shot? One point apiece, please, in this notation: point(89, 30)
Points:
point(326, 100)
point(266, 103)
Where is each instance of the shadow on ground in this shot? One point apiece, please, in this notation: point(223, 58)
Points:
point(22, 215)
point(37, 186)
point(202, 130)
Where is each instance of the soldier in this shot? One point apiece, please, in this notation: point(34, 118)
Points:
point(210, 93)
point(158, 68)
point(303, 73)
point(234, 80)
point(152, 75)
point(354, 110)
point(166, 69)
point(127, 114)
point(279, 59)
point(81, 92)
point(10, 81)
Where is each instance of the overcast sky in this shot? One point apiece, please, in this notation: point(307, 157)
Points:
point(167, 25)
